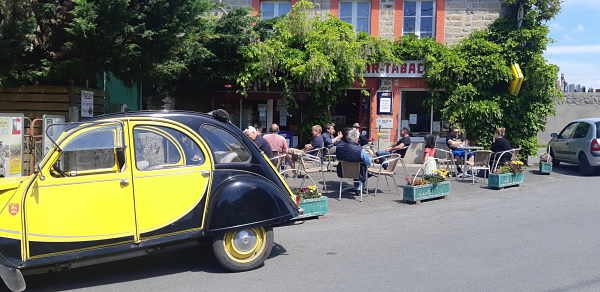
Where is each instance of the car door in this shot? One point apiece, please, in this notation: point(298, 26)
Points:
point(82, 197)
point(579, 141)
point(171, 176)
point(560, 146)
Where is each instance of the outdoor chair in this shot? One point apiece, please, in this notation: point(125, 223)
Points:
point(514, 153)
point(278, 161)
point(331, 162)
point(387, 168)
point(350, 170)
point(445, 160)
point(481, 161)
point(311, 164)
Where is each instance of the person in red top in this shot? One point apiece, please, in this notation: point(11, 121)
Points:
point(277, 142)
point(429, 147)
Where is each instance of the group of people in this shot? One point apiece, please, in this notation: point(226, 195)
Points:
point(347, 145)
point(273, 143)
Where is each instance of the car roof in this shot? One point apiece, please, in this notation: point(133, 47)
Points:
point(590, 120)
point(184, 117)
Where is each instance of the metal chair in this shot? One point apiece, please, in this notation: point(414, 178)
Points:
point(445, 159)
point(390, 162)
point(278, 160)
point(481, 161)
point(514, 153)
point(350, 170)
point(311, 164)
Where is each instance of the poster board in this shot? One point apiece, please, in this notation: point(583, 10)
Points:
point(87, 104)
point(47, 121)
point(384, 102)
point(11, 144)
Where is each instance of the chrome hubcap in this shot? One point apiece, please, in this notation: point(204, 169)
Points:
point(245, 240)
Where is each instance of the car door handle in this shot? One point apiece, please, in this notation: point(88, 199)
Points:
point(124, 182)
point(205, 173)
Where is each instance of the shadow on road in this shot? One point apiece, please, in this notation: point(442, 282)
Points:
point(194, 259)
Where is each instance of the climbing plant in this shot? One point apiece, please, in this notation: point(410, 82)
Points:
point(470, 79)
point(312, 56)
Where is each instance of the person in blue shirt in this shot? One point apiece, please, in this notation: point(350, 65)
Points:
point(316, 142)
point(329, 140)
point(350, 150)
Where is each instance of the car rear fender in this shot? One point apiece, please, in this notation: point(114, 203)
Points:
point(12, 277)
point(242, 199)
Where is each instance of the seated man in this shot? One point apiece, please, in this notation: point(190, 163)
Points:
point(253, 134)
point(277, 142)
point(316, 142)
point(400, 147)
point(364, 138)
point(500, 145)
point(329, 138)
point(348, 149)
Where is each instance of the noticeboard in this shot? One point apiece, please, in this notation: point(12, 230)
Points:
point(11, 145)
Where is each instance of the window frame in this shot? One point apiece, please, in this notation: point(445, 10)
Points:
point(354, 16)
point(276, 8)
point(418, 18)
point(576, 131)
point(575, 125)
point(182, 158)
point(202, 127)
point(119, 137)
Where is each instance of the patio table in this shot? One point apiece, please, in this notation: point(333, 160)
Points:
point(468, 149)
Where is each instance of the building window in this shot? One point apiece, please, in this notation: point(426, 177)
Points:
point(357, 13)
point(272, 9)
point(419, 18)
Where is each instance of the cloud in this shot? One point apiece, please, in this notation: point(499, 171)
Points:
point(582, 49)
point(579, 28)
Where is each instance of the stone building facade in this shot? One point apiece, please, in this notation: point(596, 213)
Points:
point(396, 91)
point(574, 106)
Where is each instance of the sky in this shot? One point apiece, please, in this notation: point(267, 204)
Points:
point(576, 46)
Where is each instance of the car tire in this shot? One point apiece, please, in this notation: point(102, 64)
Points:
point(244, 249)
point(584, 165)
point(555, 162)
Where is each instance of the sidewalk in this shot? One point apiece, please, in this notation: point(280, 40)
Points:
point(391, 197)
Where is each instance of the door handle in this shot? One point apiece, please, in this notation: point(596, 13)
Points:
point(124, 182)
point(205, 173)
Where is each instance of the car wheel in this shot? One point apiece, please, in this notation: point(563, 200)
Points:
point(555, 162)
point(584, 165)
point(244, 249)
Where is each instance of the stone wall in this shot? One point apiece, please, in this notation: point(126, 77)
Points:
point(576, 105)
point(386, 19)
point(465, 16)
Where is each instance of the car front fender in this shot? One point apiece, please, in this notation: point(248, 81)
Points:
point(242, 199)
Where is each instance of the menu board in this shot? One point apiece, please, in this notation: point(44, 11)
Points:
point(11, 145)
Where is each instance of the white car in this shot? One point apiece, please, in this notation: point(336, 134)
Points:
point(578, 143)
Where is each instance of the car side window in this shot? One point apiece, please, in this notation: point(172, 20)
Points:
point(159, 147)
point(568, 131)
point(93, 151)
point(581, 131)
point(154, 149)
point(226, 148)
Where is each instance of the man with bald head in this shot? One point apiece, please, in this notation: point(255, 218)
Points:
point(277, 142)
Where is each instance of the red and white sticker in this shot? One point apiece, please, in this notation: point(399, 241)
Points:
point(13, 209)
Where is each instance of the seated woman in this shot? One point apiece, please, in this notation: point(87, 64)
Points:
point(501, 144)
point(429, 154)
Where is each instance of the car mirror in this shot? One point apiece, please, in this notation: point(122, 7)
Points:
point(554, 135)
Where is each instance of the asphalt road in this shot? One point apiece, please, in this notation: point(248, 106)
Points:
point(542, 236)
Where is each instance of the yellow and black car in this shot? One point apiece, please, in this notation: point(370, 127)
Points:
point(126, 184)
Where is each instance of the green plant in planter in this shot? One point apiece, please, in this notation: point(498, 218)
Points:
point(309, 192)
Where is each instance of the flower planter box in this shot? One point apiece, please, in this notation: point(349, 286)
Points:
point(545, 167)
point(415, 194)
point(314, 207)
point(499, 181)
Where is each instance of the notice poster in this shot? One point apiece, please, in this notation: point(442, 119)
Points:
point(54, 132)
point(11, 145)
point(412, 119)
point(384, 102)
point(87, 104)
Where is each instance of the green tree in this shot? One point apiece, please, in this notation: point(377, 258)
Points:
point(318, 56)
point(472, 76)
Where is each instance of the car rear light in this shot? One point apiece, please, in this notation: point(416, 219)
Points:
point(595, 145)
